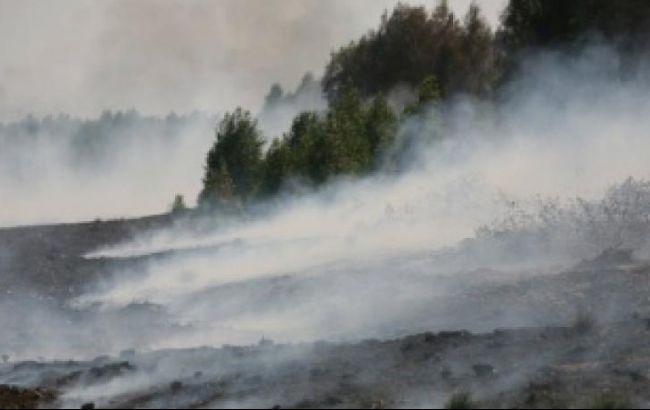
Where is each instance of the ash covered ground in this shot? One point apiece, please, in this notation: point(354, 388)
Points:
point(534, 338)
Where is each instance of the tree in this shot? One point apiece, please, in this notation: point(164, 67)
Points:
point(380, 127)
point(234, 162)
point(428, 95)
point(275, 95)
point(218, 190)
point(412, 44)
point(178, 206)
point(277, 168)
point(482, 65)
point(421, 124)
point(347, 145)
point(307, 142)
point(532, 24)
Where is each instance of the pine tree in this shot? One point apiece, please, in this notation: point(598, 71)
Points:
point(380, 127)
point(277, 168)
point(234, 162)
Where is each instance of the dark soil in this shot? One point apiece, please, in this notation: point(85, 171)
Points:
point(585, 363)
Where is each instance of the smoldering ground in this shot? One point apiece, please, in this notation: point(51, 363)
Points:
point(487, 230)
point(511, 195)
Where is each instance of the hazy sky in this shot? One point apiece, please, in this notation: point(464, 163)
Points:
point(82, 56)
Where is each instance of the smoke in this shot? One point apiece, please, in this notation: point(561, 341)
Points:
point(552, 175)
point(170, 55)
point(519, 188)
point(190, 55)
point(120, 165)
point(280, 107)
point(466, 238)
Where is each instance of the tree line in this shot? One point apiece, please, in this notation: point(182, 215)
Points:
point(433, 53)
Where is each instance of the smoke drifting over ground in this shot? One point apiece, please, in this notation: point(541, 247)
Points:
point(503, 221)
point(492, 228)
point(530, 183)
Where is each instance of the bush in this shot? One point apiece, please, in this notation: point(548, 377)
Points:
point(178, 206)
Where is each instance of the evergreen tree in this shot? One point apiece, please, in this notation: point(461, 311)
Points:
point(411, 44)
point(380, 127)
point(348, 148)
point(277, 168)
point(178, 206)
point(308, 145)
point(234, 162)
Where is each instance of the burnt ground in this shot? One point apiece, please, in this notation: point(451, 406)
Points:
point(524, 368)
point(48, 260)
point(577, 362)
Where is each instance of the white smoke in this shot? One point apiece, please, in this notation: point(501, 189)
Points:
point(171, 55)
point(359, 247)
point(56, 175)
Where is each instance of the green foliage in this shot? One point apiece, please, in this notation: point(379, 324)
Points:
point(411, 45)
point(349, 139)
point(380, 127)
point(234, 162)
point(347, 148)
point(277, 168)
point(307, 142)
point(528, 24)
point(435, 54)
point(428, 95)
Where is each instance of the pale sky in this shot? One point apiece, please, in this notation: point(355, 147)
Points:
point(83, 56)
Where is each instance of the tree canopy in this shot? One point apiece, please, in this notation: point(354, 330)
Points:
point(435, 55)
point(234, 162)
point(412, 44)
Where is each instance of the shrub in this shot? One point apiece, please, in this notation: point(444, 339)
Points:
point(178, 206)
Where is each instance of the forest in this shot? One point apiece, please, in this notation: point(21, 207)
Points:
point(410, 66)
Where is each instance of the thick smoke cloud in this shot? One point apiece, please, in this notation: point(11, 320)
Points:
point(157, 57)
point(515, 191)
point(82, 57)
point(321, 266)
point(120, 165)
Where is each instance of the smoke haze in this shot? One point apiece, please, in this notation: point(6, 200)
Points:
point(496, 176)
point(536, 184)
point(82, 57)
